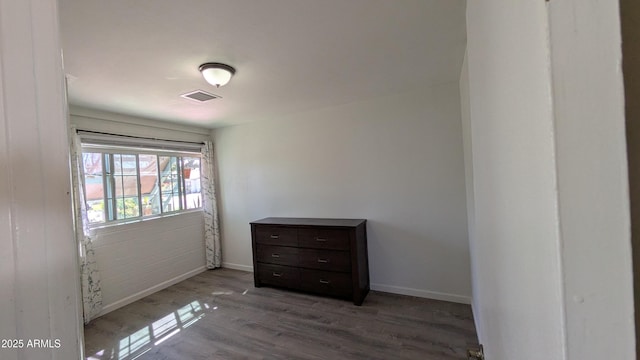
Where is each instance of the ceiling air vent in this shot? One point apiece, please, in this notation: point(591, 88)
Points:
point(200, 96)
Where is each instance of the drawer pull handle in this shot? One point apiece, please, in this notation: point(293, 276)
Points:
point(275, 255)
point(323, 260)
point(321, 239)
point(276, 274)
point(323, 281)
point(275, 236)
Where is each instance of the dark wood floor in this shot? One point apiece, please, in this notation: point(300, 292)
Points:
point(220, 315)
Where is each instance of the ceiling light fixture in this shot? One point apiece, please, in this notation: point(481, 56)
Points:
point(217, 74)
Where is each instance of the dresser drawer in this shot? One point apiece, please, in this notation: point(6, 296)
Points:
point(336, 239)
point(281, 255)
point(330, 260)
point(279, 275)
point(276, 235)
point(326, 282)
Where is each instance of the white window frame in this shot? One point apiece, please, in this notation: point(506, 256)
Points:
point(128, 145)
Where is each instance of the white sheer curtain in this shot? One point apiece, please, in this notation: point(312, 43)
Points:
point(210, 207)
point(91, 289)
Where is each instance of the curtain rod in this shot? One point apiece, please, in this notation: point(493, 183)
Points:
point(78, 131)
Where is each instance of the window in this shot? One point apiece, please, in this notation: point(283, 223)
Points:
point(123, 184)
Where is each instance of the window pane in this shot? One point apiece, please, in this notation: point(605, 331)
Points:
point(94, 186)
point(170, 184)
point(149, 185)
point(126, 186)
point(191, 173)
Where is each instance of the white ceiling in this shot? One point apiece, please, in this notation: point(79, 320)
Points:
point(137, 57)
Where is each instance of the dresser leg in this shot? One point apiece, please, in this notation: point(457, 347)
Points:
point(358, 299)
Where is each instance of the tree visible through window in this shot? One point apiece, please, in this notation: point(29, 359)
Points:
point(121, 186)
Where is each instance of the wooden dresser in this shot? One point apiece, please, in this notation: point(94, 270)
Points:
point(322, 256)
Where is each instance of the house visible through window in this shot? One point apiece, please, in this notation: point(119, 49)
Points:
point(123, 184)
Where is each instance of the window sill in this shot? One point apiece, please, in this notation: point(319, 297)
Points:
point(142, 219)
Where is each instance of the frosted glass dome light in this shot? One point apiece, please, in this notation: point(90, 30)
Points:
point(217, 74)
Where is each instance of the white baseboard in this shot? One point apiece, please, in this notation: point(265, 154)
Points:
point(422, 293)
point(237, 267)
point(139, 295)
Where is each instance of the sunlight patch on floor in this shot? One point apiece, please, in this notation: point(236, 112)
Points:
point(134, 342)
point(217, 293)
point(144, 339)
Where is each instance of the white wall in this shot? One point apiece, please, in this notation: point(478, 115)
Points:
point(592, 178)
point(396, 161)
point(468, 175)
point(139, 258)
point(516, 242)
point(551, 247)
point(38, 256)
point(102, 121)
